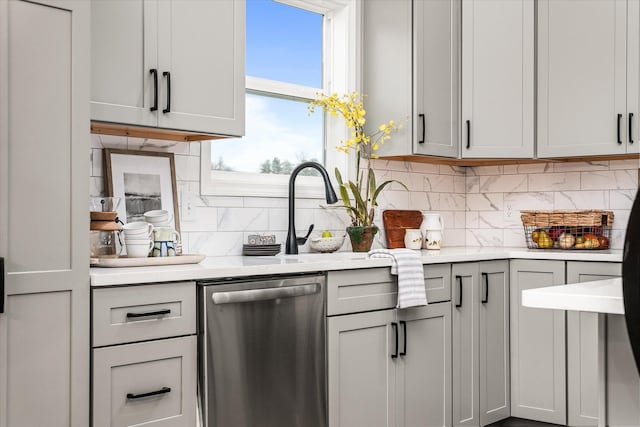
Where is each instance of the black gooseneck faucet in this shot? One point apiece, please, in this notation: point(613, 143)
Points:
point(291, 245)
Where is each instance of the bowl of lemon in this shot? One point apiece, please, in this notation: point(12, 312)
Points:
point(326, 242)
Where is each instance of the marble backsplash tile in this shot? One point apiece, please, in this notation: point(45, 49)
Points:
point(219, 225)
point(496, 195)
point(480, 206)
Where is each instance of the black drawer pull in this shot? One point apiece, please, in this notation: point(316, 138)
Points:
point(2, 285)
point(630, 128)
point(619, 124)
point(154, 107)
point(459, 303)
point(404, 331)
point(163, 390)
point(148, 313)
point(167, 74)
point(468, 134)
point(394, 326)
point(421, 116)
point(485, 282)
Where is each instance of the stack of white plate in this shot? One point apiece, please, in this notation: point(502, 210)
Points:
point(261, 250)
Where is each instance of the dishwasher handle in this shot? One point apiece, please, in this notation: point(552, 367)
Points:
point(252, 295)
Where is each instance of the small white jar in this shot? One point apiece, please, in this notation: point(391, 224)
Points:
point(433, 239)
point(412, 238)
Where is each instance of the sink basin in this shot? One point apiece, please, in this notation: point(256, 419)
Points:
point(327, 257)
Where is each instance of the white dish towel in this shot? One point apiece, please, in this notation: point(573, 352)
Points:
point(408, 267)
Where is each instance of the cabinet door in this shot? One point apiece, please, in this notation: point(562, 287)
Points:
point(436, 27)
point(581, 77)
point(582, 347)
point(124, 50)
point(633, 76)
point(44, 129)
point(361, 370)
point(538, 374)
point(497, 78)
point(151, 383)
point(424, 366)
point(386, 46)
point(201, 44)
point(495, 390)
point(466, 407)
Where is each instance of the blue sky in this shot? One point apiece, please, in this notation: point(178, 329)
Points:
point(283, 43)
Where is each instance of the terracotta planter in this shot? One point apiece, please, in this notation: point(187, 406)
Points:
point(362, 237)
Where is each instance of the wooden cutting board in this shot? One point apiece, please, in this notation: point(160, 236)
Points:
point(396, 221)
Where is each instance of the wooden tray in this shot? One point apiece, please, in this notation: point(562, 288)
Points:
point(123, 261)
point(396, 222)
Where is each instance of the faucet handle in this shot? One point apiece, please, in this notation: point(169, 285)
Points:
point(302, 240)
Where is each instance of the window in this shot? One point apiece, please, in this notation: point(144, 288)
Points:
point(288, 61)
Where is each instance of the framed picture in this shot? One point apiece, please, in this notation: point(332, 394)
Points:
point(145, 180)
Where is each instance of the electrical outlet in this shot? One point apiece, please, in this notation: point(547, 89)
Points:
point(188, 208)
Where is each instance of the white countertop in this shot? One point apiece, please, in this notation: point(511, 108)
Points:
point(602, 296)
point(238, 266)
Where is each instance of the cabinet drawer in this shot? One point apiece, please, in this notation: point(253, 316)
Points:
point(144, 312)
point(151, 384)
point(352, 291)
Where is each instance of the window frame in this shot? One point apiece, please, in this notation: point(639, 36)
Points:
point(341, 74)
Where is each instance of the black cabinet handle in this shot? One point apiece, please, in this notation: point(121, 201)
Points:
point(630, 128)
point(167, 74)
point(163, 390)
point(394, 325)
point(421, 116)
point(468, 134)
point(2, 279)
point(404, 332)
point(459, 303)
point(619, 123)
point(154, 72)
point(148, 313)
point(485, 284)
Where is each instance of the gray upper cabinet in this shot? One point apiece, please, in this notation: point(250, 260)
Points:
point(422, 92)
point(171, 64)
point(582, 347)
point(497, 78)
point(44, 129)
point(538, 350)
point(587, 77)
point(481, 390)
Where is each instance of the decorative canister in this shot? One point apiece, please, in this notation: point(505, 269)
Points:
point(431, 222)
point(433, 239)
point(412, 238)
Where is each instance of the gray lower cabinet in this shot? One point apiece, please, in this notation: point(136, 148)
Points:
point(481, 389)
point(44, 129)
point(582, 347)
point(151, 383)
point(387, 367)
point(361, 376)
point(538, 350)
point(144, 355)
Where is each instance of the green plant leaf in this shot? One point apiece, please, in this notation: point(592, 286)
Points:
point(372, 185)
point(361, 206)
point(381, 187)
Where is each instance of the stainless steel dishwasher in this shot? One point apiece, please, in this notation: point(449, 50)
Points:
point(262, 360)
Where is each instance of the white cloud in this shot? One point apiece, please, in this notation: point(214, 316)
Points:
point(273, 129)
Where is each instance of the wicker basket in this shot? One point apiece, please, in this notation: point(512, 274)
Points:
point(557, 229)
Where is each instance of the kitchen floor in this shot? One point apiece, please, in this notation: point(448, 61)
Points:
point(517, 422)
